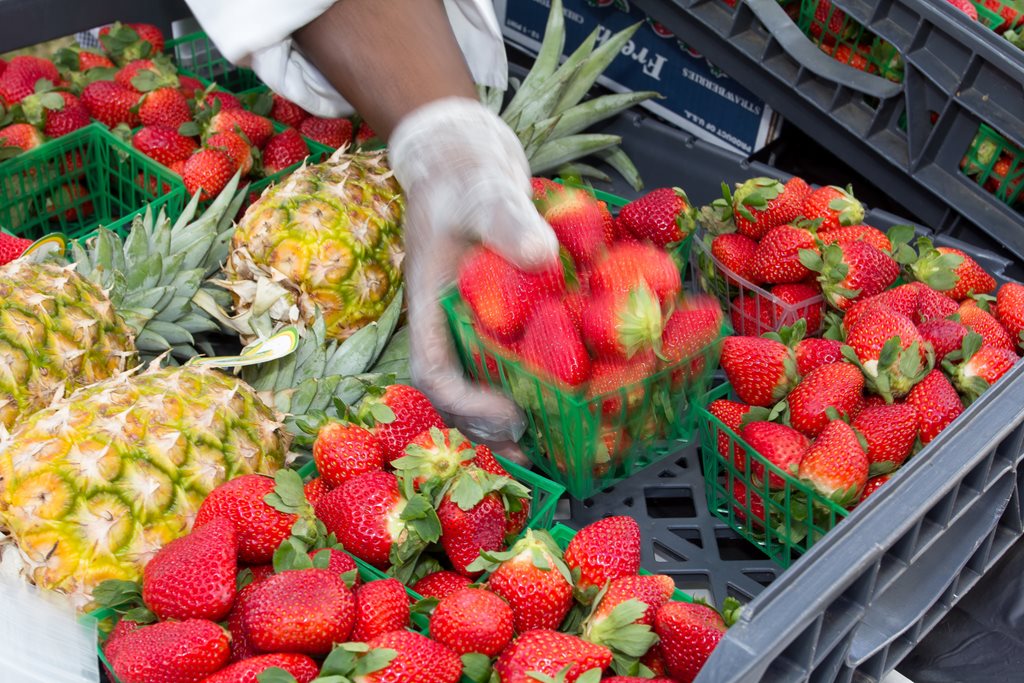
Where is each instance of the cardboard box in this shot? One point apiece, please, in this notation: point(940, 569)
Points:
point(699, 98)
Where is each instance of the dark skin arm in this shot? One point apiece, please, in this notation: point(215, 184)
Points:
point(387, 58)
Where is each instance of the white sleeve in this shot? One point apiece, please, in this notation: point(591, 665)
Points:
point(257, 34)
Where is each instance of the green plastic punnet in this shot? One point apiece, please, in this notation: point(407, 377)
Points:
point(996, 164)
point(847, 41)
point(783, 523)
point(80, 181)
point(197, 56)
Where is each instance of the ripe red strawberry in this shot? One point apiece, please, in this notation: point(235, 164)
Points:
point(761, 371)
point(612, 227)
point(904, 299)
point(971, 277)
point(834, 206)
point(937, 404)
point(163, 144)
point(1010, 309)
point(852, 233)
point(441, 584)
point(241, 647)
point(333, 133)
point(618, 326)
point(890, 432)
point(381, 607)
point(208, 171)
point(974, 318)
point(179, 166)
point(287, 112)
point(71, 116)
point(343, 451)
point(577, 222)
point(19, 79)
point(892, 353)
point(835, 465)
point(235, 146)
point(21, 135)
point(760, 204)
point(931, 304)
point(814, 352)
point(618, 381)
point(188, 86)
point(222, 100)
point(626, 265)
point(256, 128)
point(171, 652)
point(111, 103)
point(736, 253)
point(148, 39)
point(260, 528)
point(540, 594)
point(655, 661)
point(636, 679)
point(127, 73)
point(835, 385)
point(1011, 14)
point(113, 643)
point(283, 150)
point(417, 659)
point(851, 271)
point(967, 7)
point(731, 414)
point(193, 577)
point(654, 590)
point(945, 336)
point(503, 297)
point(360, 511)
point(302, 668)
point(303, 610)
point(365, 134)
point(664, 216)
point(777, 259)
point(588, 551)
point(689, 632)
point(780, 445)
point(694, 325)
point(975, 368)
point(12, 247)
point(874, 483)
point(164, 107)
point(340, 563)
point(549, 652)
point(552, 347)
point(747, 500)
point(541, 188)
point(466, 533)
point(413, 415)
point(472, 620)
point(753, 314)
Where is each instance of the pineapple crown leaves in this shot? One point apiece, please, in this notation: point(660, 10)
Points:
point(932, 267)
point(619, 632)
point(589, 676)
point(755, 194)
point(123, 598)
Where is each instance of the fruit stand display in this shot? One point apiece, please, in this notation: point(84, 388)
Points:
point(209, 451)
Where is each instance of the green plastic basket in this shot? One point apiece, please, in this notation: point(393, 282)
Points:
point(847, 41)
point(797, 516)
point(420, 623)
point(578, 441)
point(989, 18)
point(77, 182)
point(197, 56)
point(996, 164)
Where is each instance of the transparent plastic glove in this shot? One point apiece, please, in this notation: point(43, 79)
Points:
point(466, 181)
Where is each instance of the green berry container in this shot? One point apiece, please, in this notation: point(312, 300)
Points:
point(797, 516)
point(197, 56)
point(848, 42)
point(982, 164)
point(86, 179)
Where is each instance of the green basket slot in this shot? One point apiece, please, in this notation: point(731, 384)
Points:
point(588, 445)
point(798, 516)
point(197, 56)
point(989, 18)
point(847, 41)
point(997, 165)
point(114, 184)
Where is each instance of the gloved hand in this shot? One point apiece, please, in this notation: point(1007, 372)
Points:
point(466, 180)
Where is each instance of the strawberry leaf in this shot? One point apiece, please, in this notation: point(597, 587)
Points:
point(340, 662)
point(275, 675)
point(374, 660)
point(425, 606)
point(476, 667)
point(291, 554)
point(243, 579)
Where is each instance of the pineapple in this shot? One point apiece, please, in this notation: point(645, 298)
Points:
point(326, 238)
point(63, 327)
point(93, 486)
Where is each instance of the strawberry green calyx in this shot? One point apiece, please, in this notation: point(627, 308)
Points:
point(687, 216)
point(543, 551)
point(832, 270)
point(897, 370)
point(125, 599)
point(850, 210)
point(437, 463)
point(933, 267)
point(973, 368)
point(640, 323)
point(730, 612)
point(347, 662)
point(717, 217)
point(589, 676)
point(619, 631)
point(755, 194)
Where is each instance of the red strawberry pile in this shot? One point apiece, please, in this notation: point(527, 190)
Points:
point(586, 614)
point(331, 132)
point(897, 365)
point(606, 317)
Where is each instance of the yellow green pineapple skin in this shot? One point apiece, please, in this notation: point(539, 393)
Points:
point(329, 236)
point(93, 486)
point(58, 332)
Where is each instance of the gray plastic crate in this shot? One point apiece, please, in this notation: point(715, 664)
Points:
point(955, 68)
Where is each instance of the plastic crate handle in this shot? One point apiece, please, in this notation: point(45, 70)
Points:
point(905, 602)
point(800, 48)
